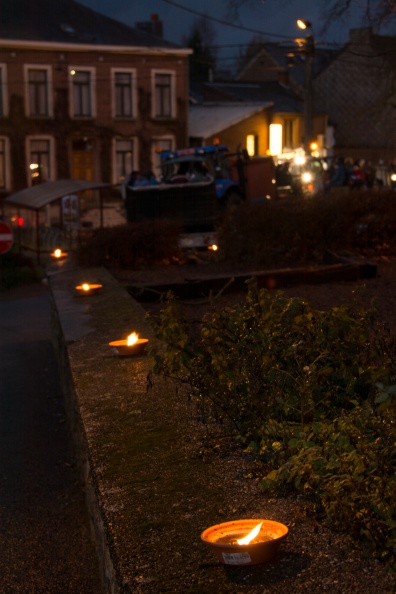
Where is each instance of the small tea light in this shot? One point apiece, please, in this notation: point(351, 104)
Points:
point(245, 542)
point(58, 254)
point(88, 289)
point(132, 345)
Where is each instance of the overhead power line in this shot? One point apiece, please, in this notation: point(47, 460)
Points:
point(222, 22)
point(288, 38)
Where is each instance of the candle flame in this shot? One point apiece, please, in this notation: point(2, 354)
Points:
point(249, 537)
point(132, 338)
point(86, 287)
point(57, 253)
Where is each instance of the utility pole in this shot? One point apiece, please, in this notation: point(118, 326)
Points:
point(308, 94)
point(308, 49)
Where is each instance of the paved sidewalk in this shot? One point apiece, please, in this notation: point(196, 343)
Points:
point(45, 538)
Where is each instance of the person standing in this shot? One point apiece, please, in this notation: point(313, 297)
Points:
point(340, 175)
point(357, 179)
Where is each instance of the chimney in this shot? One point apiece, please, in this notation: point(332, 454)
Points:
point(360, 36)
point(154, 26)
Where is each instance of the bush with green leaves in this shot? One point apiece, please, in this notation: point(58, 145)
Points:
point(310, 393)
point(347, 465)
point(274, 357)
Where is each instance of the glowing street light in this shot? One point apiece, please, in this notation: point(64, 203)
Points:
point(304, 24)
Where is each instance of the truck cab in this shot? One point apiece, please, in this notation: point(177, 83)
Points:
point(201, 163)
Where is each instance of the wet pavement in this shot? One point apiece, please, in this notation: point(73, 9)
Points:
point(45, 539)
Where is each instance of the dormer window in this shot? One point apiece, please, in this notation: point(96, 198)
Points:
point(69, 29)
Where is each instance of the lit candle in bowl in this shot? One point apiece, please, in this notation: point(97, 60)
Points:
point(88, 289)
point(58, 254)
point(132, 345)
point(245, 542)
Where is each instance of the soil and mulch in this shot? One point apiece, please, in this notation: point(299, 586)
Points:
point(324, 286)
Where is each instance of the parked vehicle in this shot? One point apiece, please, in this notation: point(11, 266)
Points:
point(197, 164)
point(237, 176)
point(301, 176)
point(199, 183)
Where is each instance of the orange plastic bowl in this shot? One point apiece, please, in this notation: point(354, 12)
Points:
point(259, 551)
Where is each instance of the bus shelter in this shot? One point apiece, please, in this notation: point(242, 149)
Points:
point(55, 213)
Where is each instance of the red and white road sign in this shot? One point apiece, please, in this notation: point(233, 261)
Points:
point(6, 237)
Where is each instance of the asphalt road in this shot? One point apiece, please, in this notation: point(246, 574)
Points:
point(45, 542)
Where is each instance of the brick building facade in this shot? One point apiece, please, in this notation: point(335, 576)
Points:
point(83, 96)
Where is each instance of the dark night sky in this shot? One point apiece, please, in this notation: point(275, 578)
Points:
point(274, 19)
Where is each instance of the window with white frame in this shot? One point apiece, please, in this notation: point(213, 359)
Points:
point(164, 143)
point(38, 97)
point(3, 91)
point(163, 92)
point(82, 92)
point(124, 93)
point(4, 160)
point(124, 158)
point(40, 154)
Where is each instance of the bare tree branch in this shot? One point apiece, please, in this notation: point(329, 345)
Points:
point(376, 12)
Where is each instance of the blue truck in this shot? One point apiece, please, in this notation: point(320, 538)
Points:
point(198, 184)
point(204, 163)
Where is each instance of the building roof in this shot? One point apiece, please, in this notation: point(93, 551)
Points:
point(208, 119)
point(282, 97)
point(365, 43)
point(36, 197)
point(68, 22)
point(280, 53)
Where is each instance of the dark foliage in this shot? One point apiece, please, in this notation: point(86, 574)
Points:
point(303, 231)
point(131, 246)
point(17, 269)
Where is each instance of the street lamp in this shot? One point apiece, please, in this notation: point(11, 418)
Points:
point(308, 48)
point(303, 24)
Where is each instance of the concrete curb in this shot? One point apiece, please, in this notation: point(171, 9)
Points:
point(76, 336)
